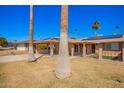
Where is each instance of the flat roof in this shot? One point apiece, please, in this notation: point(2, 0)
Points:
point(97, 39)
point(105, 37)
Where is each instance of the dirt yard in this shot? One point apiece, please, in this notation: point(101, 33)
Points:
point(88, 72)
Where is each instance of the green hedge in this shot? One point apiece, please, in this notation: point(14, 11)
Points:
point(42, 46)
point(108, 57)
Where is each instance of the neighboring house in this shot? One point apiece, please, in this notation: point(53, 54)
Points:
point(10, 44)
point(22, 46)
point(6, 48)
point(9, 47)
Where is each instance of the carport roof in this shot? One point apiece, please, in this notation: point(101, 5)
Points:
point(98, 39)
point(56, 40)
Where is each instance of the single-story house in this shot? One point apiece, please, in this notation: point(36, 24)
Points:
point(111, 45)
point(22, 45)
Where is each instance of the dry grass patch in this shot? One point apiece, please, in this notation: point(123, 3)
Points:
point(88, 72)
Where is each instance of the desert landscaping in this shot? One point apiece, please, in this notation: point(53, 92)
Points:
point(69, 57)
point(86, 72)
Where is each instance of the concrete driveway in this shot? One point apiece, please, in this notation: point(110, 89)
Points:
point(12, 58)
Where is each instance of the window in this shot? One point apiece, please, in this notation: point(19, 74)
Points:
point(115, 46)
point(111, 46)
point(108, 46)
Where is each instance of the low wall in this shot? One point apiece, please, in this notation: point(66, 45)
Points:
point(111, 53)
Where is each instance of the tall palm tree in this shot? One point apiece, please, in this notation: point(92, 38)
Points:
point(63, 65)
point(95, 27)
point(31, 48)
point(117, 27)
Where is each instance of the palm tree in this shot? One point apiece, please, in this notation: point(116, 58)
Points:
point(31, 49)
point(95, 27)
point(117, 27)
point(63, 65)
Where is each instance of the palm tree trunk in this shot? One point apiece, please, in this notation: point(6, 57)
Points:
point(63, 65)
point(31, 49)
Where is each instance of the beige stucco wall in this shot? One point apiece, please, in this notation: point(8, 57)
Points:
point(108, 52)
point(89, 48)
point(111, 53)
point(56, 50)
point(96, 48)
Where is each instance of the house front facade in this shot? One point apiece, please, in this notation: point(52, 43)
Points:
point(107, 46)
point(101, 46)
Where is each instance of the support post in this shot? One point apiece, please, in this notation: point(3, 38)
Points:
point(47, 48)
point(36, 49)
point(72, 50)
point(78, 48)
point(51, 49)
point(100, 51)
point(84, 50)
point(123, 52)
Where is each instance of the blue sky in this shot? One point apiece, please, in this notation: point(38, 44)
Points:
point(14, 21)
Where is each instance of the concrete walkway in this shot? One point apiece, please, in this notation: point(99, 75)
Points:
point(12, 58)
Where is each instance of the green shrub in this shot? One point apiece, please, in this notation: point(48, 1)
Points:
point(3, 42)
point(108, 57)
point(42, 46)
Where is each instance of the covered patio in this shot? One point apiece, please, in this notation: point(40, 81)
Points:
point(107, 47)
point(85, 48)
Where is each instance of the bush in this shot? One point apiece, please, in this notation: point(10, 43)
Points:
point(108, 57)
point(42, 46)
point(3, 42)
